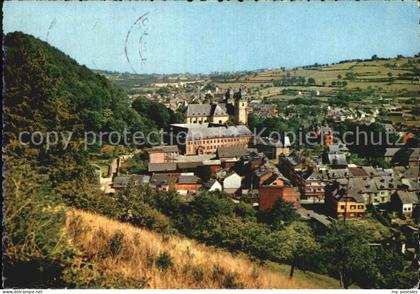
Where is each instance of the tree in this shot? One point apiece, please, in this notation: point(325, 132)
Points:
point(154, 111)
point(33, 238)
point(393, 273)
point(131, 207)
point(136, 165)
point(344, 83)
point(296, 243)
point(347, 247)
point(350, 75)
point(339, 77)
point(35, 102)
point(281, 214)
point(311, 81)
point(237, 234)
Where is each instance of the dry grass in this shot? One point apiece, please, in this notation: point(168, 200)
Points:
point(194, 265)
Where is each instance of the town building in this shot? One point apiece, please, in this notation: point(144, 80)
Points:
point(337, 148)
point(209, 168)
point(119, 183)
point(205, 113)
point(325, 135)
point(162, 167)
point(213, 185)
point(271, 147)
point(405, 202)
point(219, 113)
point(187, 184)
point(336, 160)
point(241, 109)
point(194, 139)
point(314, 187)
point(342, 201)
point(386, 184)
point(162, 182)
point(279, 188)
point(161, 154)
point(409, 157)
point(232, 183)
point(232, 153)
point(261, 175)
point(357, 172)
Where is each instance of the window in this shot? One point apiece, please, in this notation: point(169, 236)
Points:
point(352, 206)
point(342, 206)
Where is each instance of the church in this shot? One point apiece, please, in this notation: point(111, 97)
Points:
point(234, 109)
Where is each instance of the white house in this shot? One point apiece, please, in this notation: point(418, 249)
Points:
point(405, 202)
point(213, 185)
point(232, 183)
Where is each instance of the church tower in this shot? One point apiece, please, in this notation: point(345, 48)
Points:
point(228, 96)
point(241, 111)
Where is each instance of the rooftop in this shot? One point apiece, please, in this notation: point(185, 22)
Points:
point(207, 131)
point(196, 110)
point(358, 172)
point(407, 197)
point(159, 167)
point(123, 181)
point(188, 179)
point(163, 148)
point(228, 152)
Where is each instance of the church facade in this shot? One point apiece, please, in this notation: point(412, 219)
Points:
point(219, 113)
point(207, 138)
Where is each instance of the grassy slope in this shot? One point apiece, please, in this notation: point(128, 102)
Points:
point(195, 265)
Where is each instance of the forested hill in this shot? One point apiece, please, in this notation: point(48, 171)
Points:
point(32, 64)
point(46, 90)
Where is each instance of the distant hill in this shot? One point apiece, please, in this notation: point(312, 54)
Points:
point(152, 260)
point(128, 81)
point(390, 77)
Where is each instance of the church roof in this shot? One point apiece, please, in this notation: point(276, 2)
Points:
point(194, 110)
point(198, 110)
point(205, 131)
point(218, 111)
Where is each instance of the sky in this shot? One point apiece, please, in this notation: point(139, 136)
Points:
point(197, 37)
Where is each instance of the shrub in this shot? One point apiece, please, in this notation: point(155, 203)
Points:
point(117, 243)
point(164, 261)
point(217, 273)
point(198, 274)
point(227, 280)
point(230, 281)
